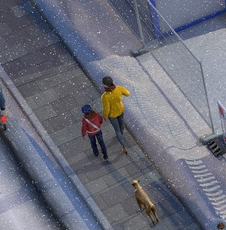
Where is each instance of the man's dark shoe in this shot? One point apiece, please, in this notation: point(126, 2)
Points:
point(105, 157)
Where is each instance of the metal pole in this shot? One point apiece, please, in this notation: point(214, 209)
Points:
point(138, 22)
point(207, 98)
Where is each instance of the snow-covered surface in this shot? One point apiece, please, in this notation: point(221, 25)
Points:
point(22, 207)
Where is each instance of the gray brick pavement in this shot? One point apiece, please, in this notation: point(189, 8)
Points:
point(55, 87)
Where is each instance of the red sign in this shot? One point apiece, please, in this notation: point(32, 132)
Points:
point(222, 113)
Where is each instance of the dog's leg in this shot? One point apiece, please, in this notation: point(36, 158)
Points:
point(149, 214)
point(155, 214)
point(148, 211)
point(139, 205)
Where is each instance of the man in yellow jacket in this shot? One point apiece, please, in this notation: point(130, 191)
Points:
point(113, 108)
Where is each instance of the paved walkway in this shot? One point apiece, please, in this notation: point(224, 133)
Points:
point(55, 88)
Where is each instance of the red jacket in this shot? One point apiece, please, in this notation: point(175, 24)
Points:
point(94, 118)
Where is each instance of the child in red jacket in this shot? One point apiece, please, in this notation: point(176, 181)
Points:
point(91, 123)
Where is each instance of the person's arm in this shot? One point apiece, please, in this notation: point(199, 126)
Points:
point(125, 92)
point(100, 118)
point(83, 130)
point(106, 107)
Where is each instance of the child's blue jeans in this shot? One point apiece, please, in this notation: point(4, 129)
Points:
point(99, 137)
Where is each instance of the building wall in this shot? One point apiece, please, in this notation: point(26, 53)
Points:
point(180, 12)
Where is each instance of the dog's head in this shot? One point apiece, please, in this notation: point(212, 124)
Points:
point(135, 183)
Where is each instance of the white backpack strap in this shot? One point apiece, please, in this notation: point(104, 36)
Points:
point(88, 121)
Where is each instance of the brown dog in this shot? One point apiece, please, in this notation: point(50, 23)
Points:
point(143, 199)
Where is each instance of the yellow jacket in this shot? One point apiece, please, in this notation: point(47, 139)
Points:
point(112, 102)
